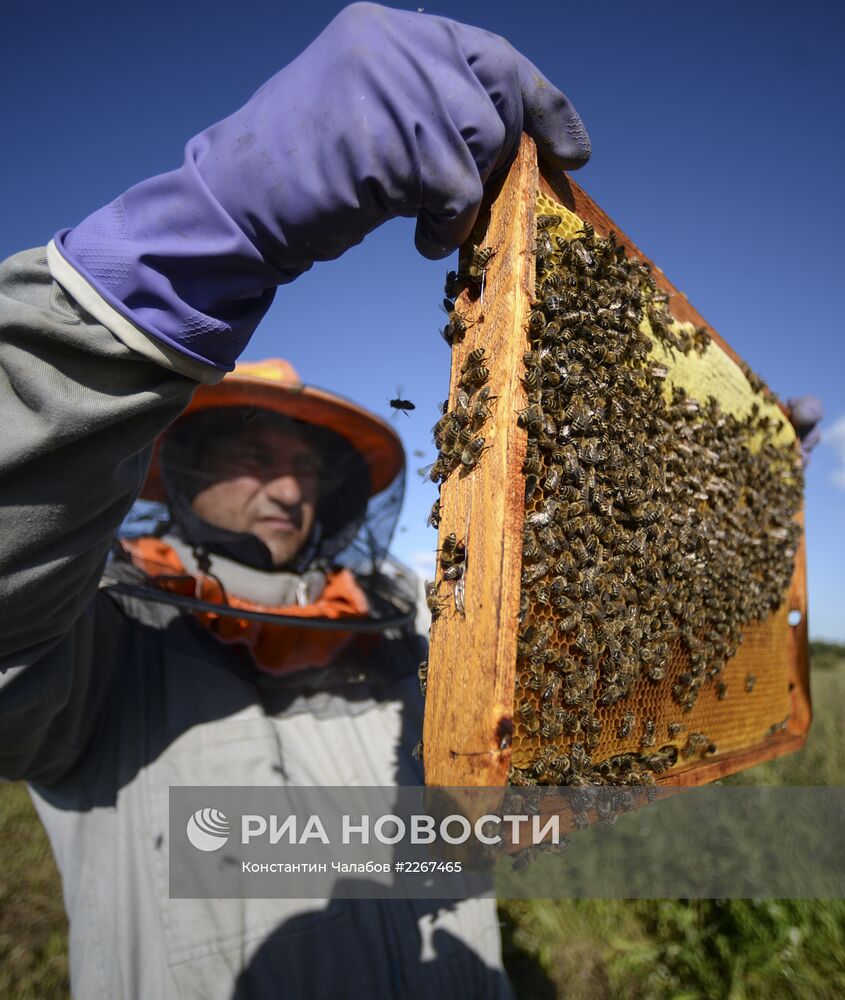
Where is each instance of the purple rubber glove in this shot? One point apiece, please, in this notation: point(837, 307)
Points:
point(806, 412)
point(386, 113)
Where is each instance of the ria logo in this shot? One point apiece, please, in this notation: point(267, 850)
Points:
point(208, 829)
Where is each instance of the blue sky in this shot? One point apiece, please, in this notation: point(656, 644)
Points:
point(709, 122)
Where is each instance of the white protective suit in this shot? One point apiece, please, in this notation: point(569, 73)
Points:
point(106, 702)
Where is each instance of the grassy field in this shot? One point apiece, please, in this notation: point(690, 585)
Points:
point(578, 949)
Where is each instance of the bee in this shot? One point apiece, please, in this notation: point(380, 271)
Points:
point(401, 405)
point(455, 328)
point(434, 515)
point(649, 737)
point(453, 285)
point(548, 221)
point(434, 603)
point(536, 321)
point(721, 690)
point(471, 454)
point(474, 377)
point(452, 551)
point(438, 470)
point(550, 730)
point(552, 480)
point(674, 728)
point(626, 726)
point(531, 551)
point(528, 714)
point(454, 572)
point(750, 681)
point(480, 412)
point(532, 574)
point(474, 359)
point(531, 418)
point(531, 379)
point(531, 679)
point(446, 432)
point(543, 247)
point(478, 264)
point(422, 673)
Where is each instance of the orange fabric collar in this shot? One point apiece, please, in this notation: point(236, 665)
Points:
point(276, 649)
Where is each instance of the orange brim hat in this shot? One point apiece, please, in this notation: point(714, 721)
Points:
point(274, 385)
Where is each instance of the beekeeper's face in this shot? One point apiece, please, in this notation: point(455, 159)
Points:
point(264, 484)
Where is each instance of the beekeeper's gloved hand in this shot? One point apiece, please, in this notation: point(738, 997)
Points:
point(806, 412)
point(386, 113)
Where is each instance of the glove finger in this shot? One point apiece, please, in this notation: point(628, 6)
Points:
point(810, 440)
point(805, 412)
point(450, 207)
point(437, 236)
point(551, 120)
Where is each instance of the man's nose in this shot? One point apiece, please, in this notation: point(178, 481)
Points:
point(284, 488)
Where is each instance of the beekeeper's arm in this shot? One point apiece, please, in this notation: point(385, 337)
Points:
point(386, 113)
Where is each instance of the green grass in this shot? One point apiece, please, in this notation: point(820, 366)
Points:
point(700, 949)
point(33, 928)
point(578, 949)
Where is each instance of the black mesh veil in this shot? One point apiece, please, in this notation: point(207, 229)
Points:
point(351, 529)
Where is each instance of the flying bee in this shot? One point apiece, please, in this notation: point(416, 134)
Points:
point(401, 405)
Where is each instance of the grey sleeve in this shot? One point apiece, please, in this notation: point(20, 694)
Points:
point(78, 414)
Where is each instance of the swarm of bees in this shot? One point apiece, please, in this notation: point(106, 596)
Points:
point(657, 525)
point(653, 532)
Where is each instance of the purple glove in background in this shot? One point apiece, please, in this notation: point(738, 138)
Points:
point(806, 412)
point(386, 113)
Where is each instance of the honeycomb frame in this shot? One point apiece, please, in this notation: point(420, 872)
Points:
point(473, 730)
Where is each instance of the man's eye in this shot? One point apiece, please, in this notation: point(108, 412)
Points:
point(308, 467)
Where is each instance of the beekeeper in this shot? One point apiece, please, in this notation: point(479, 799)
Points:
point(124, 326)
